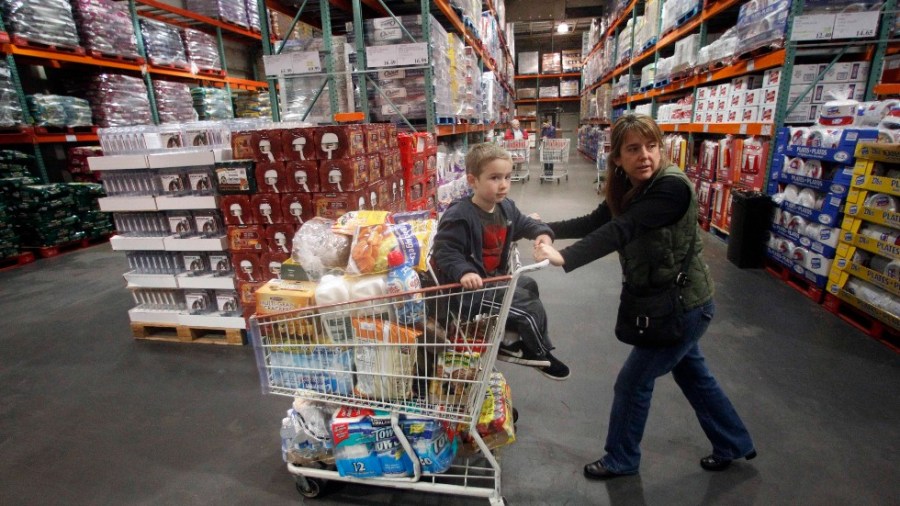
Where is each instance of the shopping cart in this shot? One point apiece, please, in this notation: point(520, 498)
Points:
point(520, 151)
point(372, 354)
point(555, 151)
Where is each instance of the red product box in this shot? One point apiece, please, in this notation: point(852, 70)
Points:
point(382, 195)
point(271, 264)
point(280, 238)
point(383, 137)
point(267, 207)
point(390, 163)
point(296, 208)
point(411, 143)
point(247, 292)
point(431, 164)
point(303, 177)
point(248, 267)
point(725, 162)
point(246, 239)
point(237, 210)
point(396, 186)
point(704, 198)
point(260, 145)
point(373, 137)
point(721, 206)
point(340, 142)
point(375, 169)
point(392, 136)
point(272, 178)
point(414, 165)
point(343, 175)
point(754, 153)
point(299, 144)
point(335, 205)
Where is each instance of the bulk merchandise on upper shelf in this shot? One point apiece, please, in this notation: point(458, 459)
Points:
point(758, 25)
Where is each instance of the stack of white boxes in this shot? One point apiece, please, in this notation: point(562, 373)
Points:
point(746, 99)
point(845, 78)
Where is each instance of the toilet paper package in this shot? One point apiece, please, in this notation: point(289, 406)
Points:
point(385, 358)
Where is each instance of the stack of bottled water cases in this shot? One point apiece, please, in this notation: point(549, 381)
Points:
point(404, 89)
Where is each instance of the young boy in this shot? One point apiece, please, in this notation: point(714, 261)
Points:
point(473, 241)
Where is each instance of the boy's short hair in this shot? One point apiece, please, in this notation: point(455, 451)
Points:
point(483, 154)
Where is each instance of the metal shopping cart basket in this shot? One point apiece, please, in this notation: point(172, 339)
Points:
point(425, 354)
point(520, 150)
point(555, 151)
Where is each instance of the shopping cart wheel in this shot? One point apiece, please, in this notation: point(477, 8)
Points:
point(309, 487)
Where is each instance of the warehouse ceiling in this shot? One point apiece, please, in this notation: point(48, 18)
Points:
point(541, 18)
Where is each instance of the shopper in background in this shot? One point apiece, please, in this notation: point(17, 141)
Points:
point(515, 132)
point(548, 131)
point(473, 241)
point(650, 218)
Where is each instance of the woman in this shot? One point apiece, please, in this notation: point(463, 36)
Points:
point(515, 132)
point(548, 131)
point(650, 218)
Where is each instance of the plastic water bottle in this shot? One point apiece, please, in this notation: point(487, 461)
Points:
point(403, 278)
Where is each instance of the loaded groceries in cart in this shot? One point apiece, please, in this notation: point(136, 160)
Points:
point(350, 333)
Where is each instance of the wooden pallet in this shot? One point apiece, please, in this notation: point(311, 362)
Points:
point(171, 66)
point(211, 72)
point(100, 55)
point(185, 334)
point(20, 41)
point(14, 261)
point(795, 281)
point(863, 321)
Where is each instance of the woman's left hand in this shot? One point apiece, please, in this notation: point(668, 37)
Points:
point(547, 252)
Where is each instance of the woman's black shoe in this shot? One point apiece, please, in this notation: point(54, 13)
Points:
point(713, 463)
point(596, 471)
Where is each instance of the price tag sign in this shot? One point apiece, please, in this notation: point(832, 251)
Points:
point(813, 27)
point(742, 129)
point(397, 55)
point(71, 138)
point(855, 25)
point(766, 130)
point(286, 64)
point(751, 65)
point(306, 62)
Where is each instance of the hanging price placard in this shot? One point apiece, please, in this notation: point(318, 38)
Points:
point(813, 27)
point(304, 62)
point(855, 25)
point(397, 55)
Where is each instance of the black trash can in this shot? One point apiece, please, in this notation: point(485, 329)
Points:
point(751, 215)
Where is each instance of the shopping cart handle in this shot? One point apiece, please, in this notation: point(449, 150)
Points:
point(531, 267)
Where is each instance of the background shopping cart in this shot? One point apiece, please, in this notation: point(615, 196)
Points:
point(520, 151)
point(556, 152)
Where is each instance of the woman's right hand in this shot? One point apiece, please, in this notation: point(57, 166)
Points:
point(547, 252)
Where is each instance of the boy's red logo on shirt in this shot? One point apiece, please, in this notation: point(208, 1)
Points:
point(494, 237)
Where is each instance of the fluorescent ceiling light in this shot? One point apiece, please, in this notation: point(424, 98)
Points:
point(562, 28)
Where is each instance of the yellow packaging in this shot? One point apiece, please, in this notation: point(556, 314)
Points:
point(279, 296)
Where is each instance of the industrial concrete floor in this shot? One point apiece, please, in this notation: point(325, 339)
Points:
point(90, 416)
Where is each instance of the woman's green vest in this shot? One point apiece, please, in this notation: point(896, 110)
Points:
point(651, 262)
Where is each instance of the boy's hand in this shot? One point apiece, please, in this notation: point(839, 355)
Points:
point(543, 239)
point(535, 216)
point(547, 252)
point(471, 281)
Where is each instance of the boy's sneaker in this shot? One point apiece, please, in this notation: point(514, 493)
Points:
point(556, 370)
point(517, 354)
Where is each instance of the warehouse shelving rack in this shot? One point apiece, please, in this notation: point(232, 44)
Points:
point(153, 9)
point(785, 57)
point(331, 13)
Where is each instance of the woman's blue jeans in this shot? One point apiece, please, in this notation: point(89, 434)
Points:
point(634, 388)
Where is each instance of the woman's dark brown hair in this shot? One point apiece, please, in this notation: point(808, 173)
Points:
point(619, 190)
